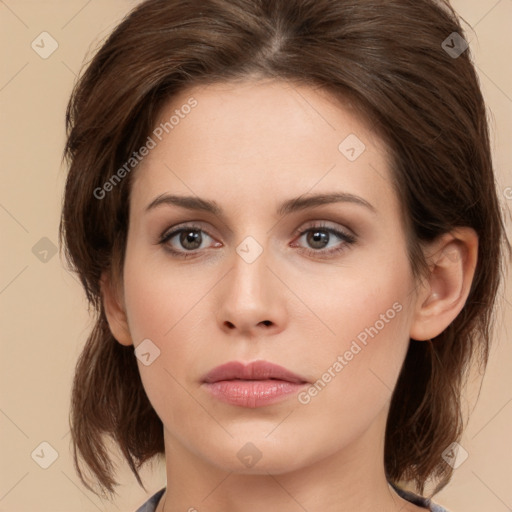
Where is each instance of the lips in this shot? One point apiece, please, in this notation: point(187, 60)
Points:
point(257, 370)
point(257, 384)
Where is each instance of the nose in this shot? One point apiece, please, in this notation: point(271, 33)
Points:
point(251, 299)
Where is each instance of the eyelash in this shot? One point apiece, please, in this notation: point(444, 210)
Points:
point(347, 238)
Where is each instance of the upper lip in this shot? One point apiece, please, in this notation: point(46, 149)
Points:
point(256, 370)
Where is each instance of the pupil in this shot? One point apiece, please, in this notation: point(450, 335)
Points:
point(191, 237)
point(318, 239)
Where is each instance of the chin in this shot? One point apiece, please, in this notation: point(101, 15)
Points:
point(258, 456)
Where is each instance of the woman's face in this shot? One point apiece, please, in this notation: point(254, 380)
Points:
point(333, 305)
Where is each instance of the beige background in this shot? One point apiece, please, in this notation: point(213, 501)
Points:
point(44, 315)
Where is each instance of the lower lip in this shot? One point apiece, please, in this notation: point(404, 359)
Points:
point(252, 393)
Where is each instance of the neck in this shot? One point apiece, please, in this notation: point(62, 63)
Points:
point(351, 479)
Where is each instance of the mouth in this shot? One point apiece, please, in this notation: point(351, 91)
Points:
point(254, 385)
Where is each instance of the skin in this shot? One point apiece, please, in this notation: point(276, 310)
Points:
point(250, 146)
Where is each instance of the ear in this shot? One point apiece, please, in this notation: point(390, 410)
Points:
point(115, 311)
point(452, 261)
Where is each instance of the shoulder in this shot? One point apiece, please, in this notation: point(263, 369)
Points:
point(419, 500)
point(151, 504)
point(437, 508)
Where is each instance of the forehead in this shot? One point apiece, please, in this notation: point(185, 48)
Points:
point(261, 139)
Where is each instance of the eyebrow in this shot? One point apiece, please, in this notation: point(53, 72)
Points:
point(287, 207)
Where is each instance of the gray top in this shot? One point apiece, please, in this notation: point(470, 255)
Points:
point(418, 500)
point(151, 504)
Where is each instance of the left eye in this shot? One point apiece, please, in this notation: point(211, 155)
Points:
point(319, 237)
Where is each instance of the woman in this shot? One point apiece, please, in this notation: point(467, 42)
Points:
point(284, 214)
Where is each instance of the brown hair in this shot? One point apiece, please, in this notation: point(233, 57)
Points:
point(387, 56)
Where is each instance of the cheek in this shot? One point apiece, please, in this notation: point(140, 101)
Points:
point(355, 371)
point(162, 307)
point(361, 300)
point(167, 306)
point(368, 315)
point(158, 297)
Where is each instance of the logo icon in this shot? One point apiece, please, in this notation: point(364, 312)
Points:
point(249, 455)
point(147, 352)
point(455, 45)
point(352, 147)
point(44, 45)
point(44, 250)
point(455, 455)
point(45, 455)
point(249, 249)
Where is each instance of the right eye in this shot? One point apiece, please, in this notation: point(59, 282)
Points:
point(185, 240)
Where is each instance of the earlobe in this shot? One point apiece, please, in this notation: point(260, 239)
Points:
point(452, 261)
point(114, 311)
